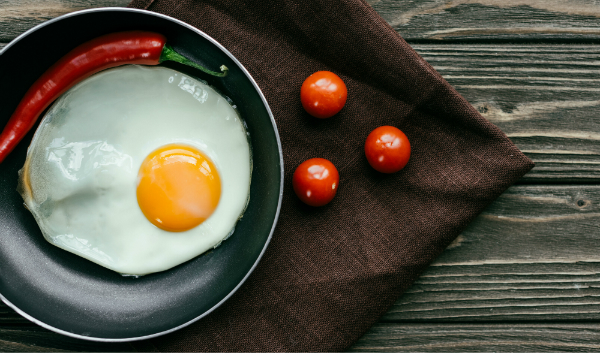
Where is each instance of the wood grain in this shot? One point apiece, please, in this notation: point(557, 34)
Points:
point(17, 16)
point(506, 337)
point(546, 98)
point(493, 20)
point(534, 254)
point(37, 339)
point(416, 21)
point(9, 316)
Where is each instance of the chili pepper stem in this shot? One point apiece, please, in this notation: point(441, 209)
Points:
point(171, 55)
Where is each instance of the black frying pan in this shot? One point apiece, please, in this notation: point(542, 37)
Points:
point(73, 296)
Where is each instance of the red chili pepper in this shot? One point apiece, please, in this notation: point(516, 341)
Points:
point(111, 50)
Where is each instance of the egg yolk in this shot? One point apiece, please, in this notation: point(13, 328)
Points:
point(178, 187)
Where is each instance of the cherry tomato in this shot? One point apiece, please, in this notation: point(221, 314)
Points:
point(316, 181)
point(387, 149)
point(323, 94)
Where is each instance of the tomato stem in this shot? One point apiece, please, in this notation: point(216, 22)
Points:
point(168, 54)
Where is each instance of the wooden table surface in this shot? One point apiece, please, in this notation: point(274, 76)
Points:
point(525, 274)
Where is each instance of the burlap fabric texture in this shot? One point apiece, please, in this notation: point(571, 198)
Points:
point(331, 272)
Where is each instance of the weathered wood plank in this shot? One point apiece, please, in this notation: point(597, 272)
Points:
point(492, 20)
point(17, 16)
point(416, 21)
point(534, 254)
point(428, 20)
point(480, 338)
point(385, 337)
point(36, 339)
point(544, 97)
point(9, 316)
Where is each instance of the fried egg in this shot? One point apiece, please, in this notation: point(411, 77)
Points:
point(138, 169)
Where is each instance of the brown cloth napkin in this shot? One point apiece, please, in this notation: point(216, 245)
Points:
point(331, 272)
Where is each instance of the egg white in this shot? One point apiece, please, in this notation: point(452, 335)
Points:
point(80, 177)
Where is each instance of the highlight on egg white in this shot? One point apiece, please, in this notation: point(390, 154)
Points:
point(80, 176)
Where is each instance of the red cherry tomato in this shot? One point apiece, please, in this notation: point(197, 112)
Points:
point(387, 149)
point(316, 181)
point(323, 94)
